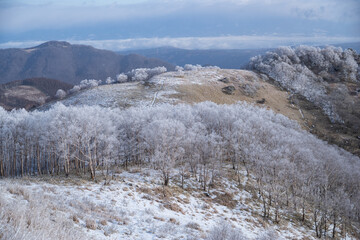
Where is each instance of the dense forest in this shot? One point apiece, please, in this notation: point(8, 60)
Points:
point(293, 169)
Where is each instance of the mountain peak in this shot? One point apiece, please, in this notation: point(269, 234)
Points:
point(54, 44)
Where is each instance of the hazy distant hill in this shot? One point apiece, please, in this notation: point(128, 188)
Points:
point(29, 93)
point(230, 59)
point(355, 46)
point(68, 63)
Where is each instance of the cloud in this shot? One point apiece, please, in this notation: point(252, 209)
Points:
point(224, 42)
point(17, 16)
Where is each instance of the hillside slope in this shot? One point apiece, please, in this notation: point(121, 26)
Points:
point(29, 93)
point(68, 63)
point(328, 78)
point(187, 165)
point(176, 171)
point(206, 84)
point(135, 206)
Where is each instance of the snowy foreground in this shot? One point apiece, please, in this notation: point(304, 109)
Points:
point(136, 206)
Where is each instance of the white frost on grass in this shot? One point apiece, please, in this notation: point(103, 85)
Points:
point(161, 87)
point(131, 207)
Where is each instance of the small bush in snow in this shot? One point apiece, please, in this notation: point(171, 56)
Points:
point(193, 225)
point(190, 67)
point(269, 234)
point(223, 231)
point(109, 80)
point(121, 78)
point(179, 69)
point(60, 94)
point(91, 224)
point(144, 74)
point(84, 84)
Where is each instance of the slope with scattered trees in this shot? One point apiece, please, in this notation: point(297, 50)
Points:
point(292, 169)
point(327, 77)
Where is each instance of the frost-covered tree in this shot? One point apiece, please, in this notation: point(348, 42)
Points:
point(85, 84)
point(293, 170)
point(179, 69)
point(121, 78)
point(109, 80)
point(144, 74)
point(190, 67)
point(310, 71)
point(60, 94)
point(165, 138)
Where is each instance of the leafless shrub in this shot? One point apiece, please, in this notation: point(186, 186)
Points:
point(193, 225)
point(226, 199)
point(223, 231)
point(21, 220)
point(110, 230)
point(268, 234)
point(173, 207)
point(91, 224)
point(173, 220)
point(166, 230)
point(75, 219)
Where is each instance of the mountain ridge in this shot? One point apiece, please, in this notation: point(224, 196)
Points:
point(67, 62)
point(30, 93)
point(228, 58)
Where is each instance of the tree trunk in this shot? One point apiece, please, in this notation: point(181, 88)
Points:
point(26, 162)
point(316, 224)
point(334, 226)
point(14, 161)
point(1, 165)
point(166, 179)
point(303, 210)
point(38, 158)
point(92, 172)
point(22, 165)
point(182, 181)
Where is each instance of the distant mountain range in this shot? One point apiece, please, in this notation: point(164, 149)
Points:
point(229, 59)
point(68, 63)
point(30, 93)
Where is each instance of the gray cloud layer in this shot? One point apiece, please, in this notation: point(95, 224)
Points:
point(46, 14)
point(226, 42)
point(190, 24)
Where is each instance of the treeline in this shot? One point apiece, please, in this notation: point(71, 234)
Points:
point(324, 76)
point(293, 169)
point(138, 74)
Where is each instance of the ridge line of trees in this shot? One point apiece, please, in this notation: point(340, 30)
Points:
point(311, 72)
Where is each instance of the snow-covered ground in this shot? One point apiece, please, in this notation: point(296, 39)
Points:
point(161, 87)
point(134, 206)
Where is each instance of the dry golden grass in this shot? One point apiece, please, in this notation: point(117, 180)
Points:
point(275, 99)
point(91, 224)
point(159, 218)
point(75, 219)
point(173, 207)
point(225, 199)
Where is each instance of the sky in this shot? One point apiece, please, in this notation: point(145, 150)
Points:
point(189, 24)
